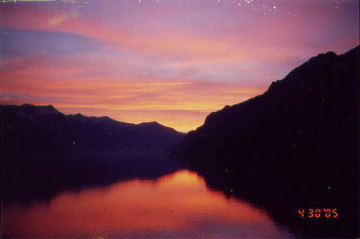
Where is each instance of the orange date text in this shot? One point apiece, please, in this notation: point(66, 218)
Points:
point(318, 213)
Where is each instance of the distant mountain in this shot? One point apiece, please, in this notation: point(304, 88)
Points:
point(44, 151)
point(38, 130)
point(293, 147)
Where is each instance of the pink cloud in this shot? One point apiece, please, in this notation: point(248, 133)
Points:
point(154, 56)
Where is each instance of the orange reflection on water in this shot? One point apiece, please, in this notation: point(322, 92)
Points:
point(174, 206)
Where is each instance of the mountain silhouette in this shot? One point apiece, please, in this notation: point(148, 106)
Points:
point(29, 129)
point(293, 147)
point(45, 151)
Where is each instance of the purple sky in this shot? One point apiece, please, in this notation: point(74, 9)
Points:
point(171, 61)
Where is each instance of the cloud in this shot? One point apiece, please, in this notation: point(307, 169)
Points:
point(16, 43)
point(182, 103)
point(154, 56)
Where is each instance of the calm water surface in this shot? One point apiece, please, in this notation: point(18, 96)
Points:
point(178, 205)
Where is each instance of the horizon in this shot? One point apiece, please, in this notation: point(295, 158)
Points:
point(89, 116)
point(172, 62)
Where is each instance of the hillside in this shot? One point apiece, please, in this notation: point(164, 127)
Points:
point(295, 146)
point(30, 130)
point(44, 152)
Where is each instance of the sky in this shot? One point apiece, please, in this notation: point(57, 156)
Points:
point(170, 61)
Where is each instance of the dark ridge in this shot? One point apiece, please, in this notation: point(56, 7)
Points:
point(38, 130)
point(293, 147)
point(44, 151)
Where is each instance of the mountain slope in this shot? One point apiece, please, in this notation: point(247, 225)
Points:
point(44, 151)
point(295, 146)
point(31, 129)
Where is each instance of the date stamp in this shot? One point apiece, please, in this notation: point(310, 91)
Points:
point(318, 213)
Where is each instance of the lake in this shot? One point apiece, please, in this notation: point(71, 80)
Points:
point(177, 205)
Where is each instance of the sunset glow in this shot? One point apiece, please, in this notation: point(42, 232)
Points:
point(170, 61)
point(174, 206)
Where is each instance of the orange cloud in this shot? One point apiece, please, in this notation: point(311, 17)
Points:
point(162, 101)
point(155, 61)
point(181, 103)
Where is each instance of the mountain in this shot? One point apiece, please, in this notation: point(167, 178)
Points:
point(43, 130)
point(44, 151)
point(293, 147)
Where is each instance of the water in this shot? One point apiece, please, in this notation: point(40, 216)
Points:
point(178, 205)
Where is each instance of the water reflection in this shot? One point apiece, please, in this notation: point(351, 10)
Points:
point(174, 206)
